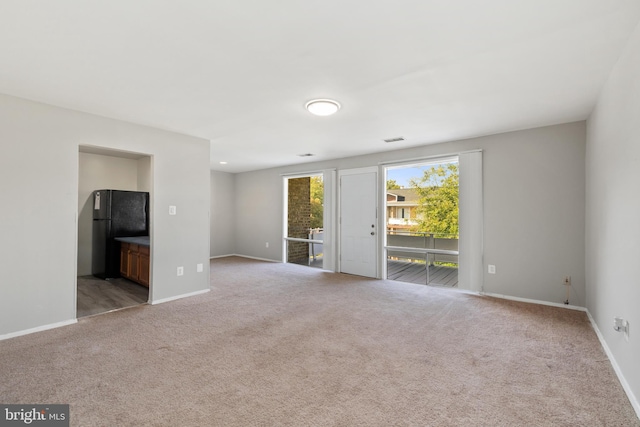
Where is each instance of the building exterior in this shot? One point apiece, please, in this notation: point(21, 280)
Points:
point(402, 209)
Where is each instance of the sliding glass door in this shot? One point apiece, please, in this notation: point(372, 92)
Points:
point(422, 222)
point(434, 220)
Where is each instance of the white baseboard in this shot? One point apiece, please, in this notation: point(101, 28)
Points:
point(38, 329)
point(222, 256)
point(534, 301)
point(257, 258)
point(616, 367)
point(191, 294)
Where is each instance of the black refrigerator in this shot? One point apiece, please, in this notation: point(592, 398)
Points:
point(116, 213)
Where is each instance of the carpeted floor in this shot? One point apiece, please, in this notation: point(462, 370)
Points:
point(287, 345)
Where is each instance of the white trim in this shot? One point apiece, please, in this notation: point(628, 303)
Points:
point(258, 258)
point(329, 222)
point(285, 215)
point(306, 174)
point(428, 159)
point(625, 385)
point(191, 294)
point(222, 256)
point(357, 171)
point(382, 221)
point(471, 221)
point(38, 329)
point(533, 301)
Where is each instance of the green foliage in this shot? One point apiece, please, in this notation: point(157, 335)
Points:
point(438, 192)
point(392, 184)
point(317, 201)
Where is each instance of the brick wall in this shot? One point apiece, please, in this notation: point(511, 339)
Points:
point(299, 219)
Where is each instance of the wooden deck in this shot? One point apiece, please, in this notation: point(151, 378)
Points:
point(412, 272)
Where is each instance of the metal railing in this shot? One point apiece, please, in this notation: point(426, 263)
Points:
point(406, 244)
point(315, 241)
point(422, 247)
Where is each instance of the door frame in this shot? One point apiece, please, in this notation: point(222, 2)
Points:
point(379, 220)
point(329, 214)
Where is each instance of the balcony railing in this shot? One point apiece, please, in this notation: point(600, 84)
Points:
point(312, 253)
point(425, 258)
point(408, 255)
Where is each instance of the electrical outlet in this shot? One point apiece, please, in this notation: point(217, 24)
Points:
point(266, 244)
point(621, 325)
point(180, 271)
point(491, 269)
point(199, 268)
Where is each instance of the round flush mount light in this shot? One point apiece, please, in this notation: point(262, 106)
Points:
point(322, 107)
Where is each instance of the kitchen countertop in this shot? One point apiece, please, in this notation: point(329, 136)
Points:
point(138, 240)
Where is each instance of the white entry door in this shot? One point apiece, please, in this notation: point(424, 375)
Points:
point(358, 223)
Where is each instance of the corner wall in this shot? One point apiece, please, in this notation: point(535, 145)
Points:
point(39, 185)
point(223, 214)
point(612, 207)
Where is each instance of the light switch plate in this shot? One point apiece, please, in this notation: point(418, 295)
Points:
point(172, 210)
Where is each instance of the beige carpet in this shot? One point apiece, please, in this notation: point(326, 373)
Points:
point(286, 345)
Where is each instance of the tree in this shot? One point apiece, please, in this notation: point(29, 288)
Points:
point(392, 184)
point(317, 201)
point(438, 203)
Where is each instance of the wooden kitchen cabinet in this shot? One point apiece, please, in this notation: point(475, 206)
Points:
point(134, 262)
point(143, 265)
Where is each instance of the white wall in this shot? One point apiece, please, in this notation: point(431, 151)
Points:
point(144, 174)
point(223, 214)
point(39, 180)
point(97, 172)
point(534, 208)
point(613, 207)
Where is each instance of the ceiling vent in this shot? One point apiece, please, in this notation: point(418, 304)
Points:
point(397, 139)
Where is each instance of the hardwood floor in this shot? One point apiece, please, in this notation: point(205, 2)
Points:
point(99, 296)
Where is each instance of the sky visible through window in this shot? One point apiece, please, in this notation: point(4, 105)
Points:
point(402, 175)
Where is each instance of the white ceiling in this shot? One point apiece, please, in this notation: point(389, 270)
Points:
point(239, 72)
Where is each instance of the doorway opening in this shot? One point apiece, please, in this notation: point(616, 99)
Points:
point(422, 214)
point(114, 274)
point(304, 222)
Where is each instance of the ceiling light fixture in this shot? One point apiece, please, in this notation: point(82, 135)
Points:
point(322, 107)
point(223, 163)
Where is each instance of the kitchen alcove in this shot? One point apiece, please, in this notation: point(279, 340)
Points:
point(100, 168)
